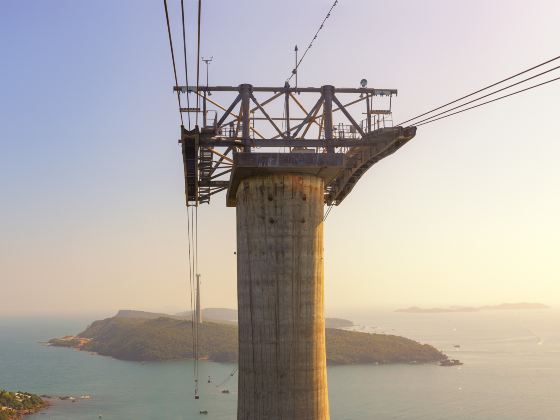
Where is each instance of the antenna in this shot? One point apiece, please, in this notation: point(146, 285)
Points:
point(207, 61)
point(296, 66)
point(207, 93)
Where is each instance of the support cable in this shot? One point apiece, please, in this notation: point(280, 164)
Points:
point(191, 287)
point(173, 58)
point(198, 58)
point(328, 212)
point(192, 227)
point(190, 278)
point(493, 100)
point(485, 96)
point(193, 314)
point(185, 57)
point(231, 375)
point(189, 231)
point(196, 274)
point(480, 90)
point(294, 71)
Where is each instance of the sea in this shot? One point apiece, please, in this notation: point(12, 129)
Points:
point(511, 371)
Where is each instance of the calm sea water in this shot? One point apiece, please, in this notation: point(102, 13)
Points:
point(511, 371)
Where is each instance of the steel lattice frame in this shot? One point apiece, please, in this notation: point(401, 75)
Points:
point(245, 126)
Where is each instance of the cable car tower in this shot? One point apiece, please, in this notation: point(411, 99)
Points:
point(280, 156)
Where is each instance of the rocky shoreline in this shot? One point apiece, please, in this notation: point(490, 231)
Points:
point(15, 405)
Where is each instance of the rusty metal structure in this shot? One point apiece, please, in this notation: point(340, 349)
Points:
point(287, 129)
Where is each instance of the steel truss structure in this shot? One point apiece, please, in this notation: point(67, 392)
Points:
point(299, 123)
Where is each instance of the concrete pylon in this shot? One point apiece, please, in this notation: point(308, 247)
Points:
point(280, 287)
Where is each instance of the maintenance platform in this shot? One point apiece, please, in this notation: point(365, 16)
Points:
point(296, 135)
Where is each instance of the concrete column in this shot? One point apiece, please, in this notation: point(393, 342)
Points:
point(282, 361)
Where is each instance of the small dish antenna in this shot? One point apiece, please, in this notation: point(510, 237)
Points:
point(363, 83)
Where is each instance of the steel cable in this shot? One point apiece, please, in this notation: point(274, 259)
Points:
point(198, 59)
point(294, 71)
point(173, 58)
point(480, 90)
point(487, 95)
point(185, 57)
point(493, 100)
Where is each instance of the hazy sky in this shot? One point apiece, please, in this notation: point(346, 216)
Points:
point(92, 215)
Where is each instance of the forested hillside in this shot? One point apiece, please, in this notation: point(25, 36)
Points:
point(171, 339)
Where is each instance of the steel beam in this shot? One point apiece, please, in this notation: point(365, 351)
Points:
point(328, 94)
point(370, 91)
point(245, 93)
point(369, 140)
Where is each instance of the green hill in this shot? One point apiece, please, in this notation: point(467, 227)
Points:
point(220, 315)
point(144, 339)
point(14, 405)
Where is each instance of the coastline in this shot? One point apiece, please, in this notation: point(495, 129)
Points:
point(165, 339)
point(490, 346)
point(9, 413)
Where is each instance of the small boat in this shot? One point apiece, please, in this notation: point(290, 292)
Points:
point(225, 391)
point(457, 346)
point(205, 412)
point(450, 362)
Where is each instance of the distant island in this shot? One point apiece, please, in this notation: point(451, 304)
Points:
point(14, 405)
point(147, 338)
point(220, 315)
point(503, 306)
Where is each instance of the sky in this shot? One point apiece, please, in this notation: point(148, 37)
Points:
point(92, 215)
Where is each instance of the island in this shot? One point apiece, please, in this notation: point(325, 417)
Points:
point(502, 306)
point(514, 306)
point(14, 405)
point(221, 315)
point(170, 338)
